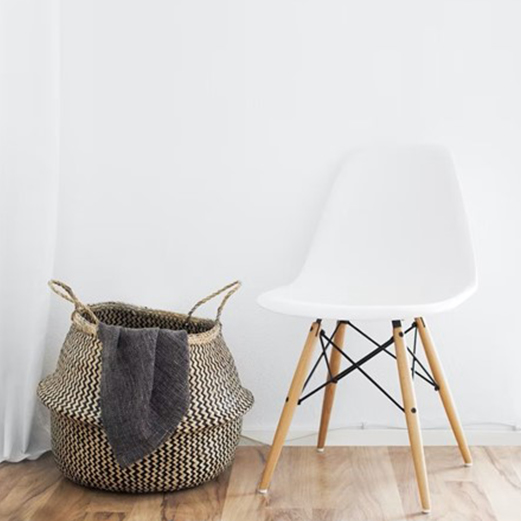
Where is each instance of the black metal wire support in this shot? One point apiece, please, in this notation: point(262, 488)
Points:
point(427, 377)
point(322, 355)
point(326, 342)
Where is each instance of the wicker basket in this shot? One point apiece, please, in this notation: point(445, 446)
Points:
point(203, 444)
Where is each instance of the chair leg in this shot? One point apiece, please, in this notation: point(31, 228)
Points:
point(411, 415)
point(445, 394)
point(329, 393)
point(289, 407)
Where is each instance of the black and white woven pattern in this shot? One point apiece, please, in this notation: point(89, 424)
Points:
point(83, 454)
point(204, 442)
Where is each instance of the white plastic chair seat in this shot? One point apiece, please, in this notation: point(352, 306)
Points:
point(291, 300)
point(393, 241)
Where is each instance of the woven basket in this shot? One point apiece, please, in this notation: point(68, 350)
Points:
point(203, 444)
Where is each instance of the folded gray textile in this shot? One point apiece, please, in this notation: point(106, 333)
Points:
point(144, 387)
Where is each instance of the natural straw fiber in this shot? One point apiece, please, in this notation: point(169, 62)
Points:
point(203, 444)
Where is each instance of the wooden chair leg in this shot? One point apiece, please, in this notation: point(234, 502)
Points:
point(445, 394)
point(289, 407)
point(329, 393)
point(411, 415)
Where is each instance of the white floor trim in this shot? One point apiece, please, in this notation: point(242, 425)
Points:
point(391, 437)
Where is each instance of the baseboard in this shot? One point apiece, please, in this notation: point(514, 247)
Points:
point(391, 437)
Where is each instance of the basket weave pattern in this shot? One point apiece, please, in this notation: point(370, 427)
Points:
point(83, 454)
point(203, 444)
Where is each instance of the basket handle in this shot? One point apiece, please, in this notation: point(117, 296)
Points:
point(230, 288)
point(64, 291)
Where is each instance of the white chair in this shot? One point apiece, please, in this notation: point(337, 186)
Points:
point(393, 243)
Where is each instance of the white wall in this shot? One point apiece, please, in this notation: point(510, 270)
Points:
point(199, 140)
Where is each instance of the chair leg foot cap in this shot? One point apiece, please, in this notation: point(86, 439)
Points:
point(426, 510)
point(320, 450)
point(468, 464)
point(262, 491)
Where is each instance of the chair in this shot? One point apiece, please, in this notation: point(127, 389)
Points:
point(393, 242)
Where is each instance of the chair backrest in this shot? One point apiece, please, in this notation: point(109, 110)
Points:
point(394, 230)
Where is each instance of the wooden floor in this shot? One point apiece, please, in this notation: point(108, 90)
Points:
point(344, 483)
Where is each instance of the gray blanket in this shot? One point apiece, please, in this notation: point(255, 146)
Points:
point(144, 388)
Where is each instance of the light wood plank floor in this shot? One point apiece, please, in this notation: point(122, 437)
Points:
point(343, 484)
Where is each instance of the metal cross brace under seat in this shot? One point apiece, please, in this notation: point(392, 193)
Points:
point(326, 342)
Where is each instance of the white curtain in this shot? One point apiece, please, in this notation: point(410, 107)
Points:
point(29, 138)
